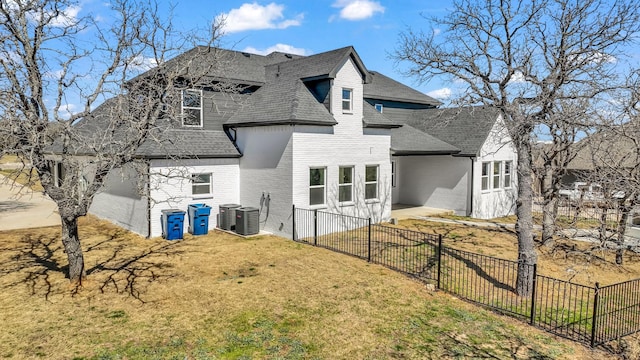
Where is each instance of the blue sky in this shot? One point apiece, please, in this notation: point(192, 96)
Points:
point(309, 27)
point(313, 26)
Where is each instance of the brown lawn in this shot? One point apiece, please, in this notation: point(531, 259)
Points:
point(223, 297)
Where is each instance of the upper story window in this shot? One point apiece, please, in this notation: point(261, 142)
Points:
point(192, 108)
point(201, 184)
point(317, 194)
point(371, 182)
point(345, 184)
point(379, 107)
point(347, 100)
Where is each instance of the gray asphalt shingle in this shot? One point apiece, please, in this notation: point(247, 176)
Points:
point(382, 87)
point(408, 140)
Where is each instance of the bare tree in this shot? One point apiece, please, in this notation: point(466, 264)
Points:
point(524, 57)
point(52, 58)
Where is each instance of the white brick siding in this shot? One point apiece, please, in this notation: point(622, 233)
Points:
point(170, 187)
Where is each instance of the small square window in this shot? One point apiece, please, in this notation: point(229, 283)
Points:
point(347, 97)
point(379, 107)
point(201, 184)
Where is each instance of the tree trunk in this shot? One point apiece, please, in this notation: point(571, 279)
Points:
point(527, 256)
point(622, 227)
point(72, 247)
point(549, 217)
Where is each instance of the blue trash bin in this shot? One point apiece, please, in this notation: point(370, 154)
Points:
point(199, 219)
point(172, 224)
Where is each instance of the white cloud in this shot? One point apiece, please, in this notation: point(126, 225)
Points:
point(257, 17)
point(357, 9)
point(142, 63)
point(67, 110)
point(277, 47)
point(67, 17)
point(440, 94)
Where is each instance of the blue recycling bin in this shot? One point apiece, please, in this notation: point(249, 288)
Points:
point(172, 224)
point(199, 219)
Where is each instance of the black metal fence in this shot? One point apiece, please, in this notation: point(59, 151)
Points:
point(591, 315)
point(590, 212)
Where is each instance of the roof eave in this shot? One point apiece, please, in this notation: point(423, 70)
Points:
point(402, 100)
point(422, 153)
point(280, 122)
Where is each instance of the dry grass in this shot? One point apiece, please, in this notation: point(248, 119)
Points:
point(574, 261)
point(219, 296)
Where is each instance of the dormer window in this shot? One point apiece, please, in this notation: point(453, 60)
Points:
point(347, 100)
point(192, 108)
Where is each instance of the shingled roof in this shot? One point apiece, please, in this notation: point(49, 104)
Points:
point(384, 88)
point(372, 118)
point(466, 128)
point(188, 144)
point(408, 140)
point(282, 102)
point(323, 65)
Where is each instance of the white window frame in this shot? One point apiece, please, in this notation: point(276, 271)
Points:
point(342, 184)
point(194, 184)
point(322, 186)
point(507, 176)
point(485, 176)
point(347, 101)
point(379, 107)
point(496, 175)
point(371, 182)
point(185, 108)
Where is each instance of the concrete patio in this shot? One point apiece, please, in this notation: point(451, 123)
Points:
point(402, 211)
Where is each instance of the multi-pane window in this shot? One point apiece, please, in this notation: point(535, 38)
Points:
point(486, 168)
point(345, 183)
point(192, 107)
point(317, 186)
point(201, 184)
point(347, 97)
point(508, 168)
point(371, 182)
point(379, 107)
point(497, 166)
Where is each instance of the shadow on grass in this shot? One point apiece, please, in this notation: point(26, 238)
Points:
point(115, 263)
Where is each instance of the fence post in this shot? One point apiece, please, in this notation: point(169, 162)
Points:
point(439, 254)
point(533, 295)
point(315, 227)
point(369, 241)
point(293, 219)
point(595, 314)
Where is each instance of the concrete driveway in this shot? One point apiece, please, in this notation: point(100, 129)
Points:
point(22, 208)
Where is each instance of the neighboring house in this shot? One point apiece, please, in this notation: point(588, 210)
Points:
point(317, 132)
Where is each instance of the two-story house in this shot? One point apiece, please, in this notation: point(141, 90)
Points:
point(320, 132)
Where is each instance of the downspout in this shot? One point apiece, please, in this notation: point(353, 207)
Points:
point(148, 193)
point(471, 192)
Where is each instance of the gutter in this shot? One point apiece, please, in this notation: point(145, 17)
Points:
point(471, 193)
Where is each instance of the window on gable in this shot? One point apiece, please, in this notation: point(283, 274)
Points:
point(371, 182)
point(508, 169)
point(497, 167)
point(192, 108)
point(486, 168)
point(345, 184)
point(379, 107)
point(347, 100)
point(201, 184)
point(317, 186)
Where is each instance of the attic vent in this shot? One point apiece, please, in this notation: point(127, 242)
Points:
point(246, 54)
point(288, 56)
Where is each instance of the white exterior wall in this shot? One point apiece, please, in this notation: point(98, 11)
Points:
point(265, 175)
point(170, 187)
point(120, 202)
point(349, 144)
point(434, 181)
point(493, 203)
